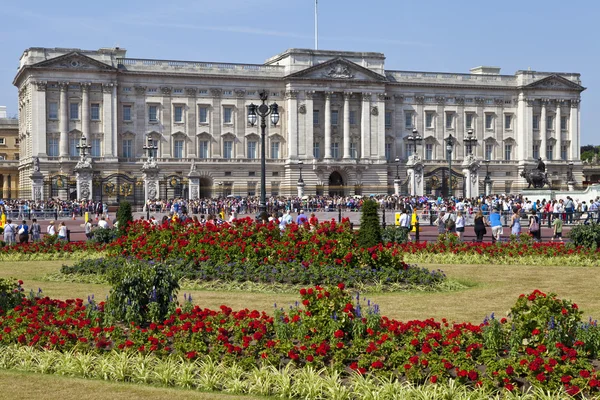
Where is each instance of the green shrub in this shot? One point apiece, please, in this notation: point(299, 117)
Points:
point(104, 235)
point(124, 217)
point(11, 294)
point(394, 234)
point(369, 233)
point(586, 235)
point(141, 291)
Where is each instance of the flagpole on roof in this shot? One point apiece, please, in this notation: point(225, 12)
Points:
point(316, 25)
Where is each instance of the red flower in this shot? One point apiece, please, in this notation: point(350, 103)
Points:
point(472, 375)
point(584, 373)
point(302, 292)
point(377, 364)
point(509, 387)
point(341, 286)
point(339, 333)
point(433, 379)
point(541, 377)
point(20, 282)
point(510, 370)
point(565, 379)
point(310, 358)
point(535, 332)
point(191, 354)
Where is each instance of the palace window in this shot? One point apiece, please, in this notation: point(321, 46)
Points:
point(549, 152)
point(563, 152)
point(275, 150)
point(489, 121)
point(95, 151)
point(152, 113)
point(408, 119)
point(203, 115)
point(251, 151)
point(53, 147)
point(536, 151)
point(73, 150)
point(507, 121)
point(549, 122)
point(127, 113)
point(203, 149)
point(95, 111)
point(52, 110)
point(429, 119)
point(315, 117)
point(74, 111)
point(316, 150)
point(178, 117)
point(449, 120)
point(469, 120)
point(429, 151)
point(334, 117)
point(228, 149)
point(127, 148)
point(227, 115)
point(489, 148)
point(536, 122)
point(352, 117)
point(563, 123)
point(508, 152)
point(388, 119)
point(335, 150)
point(388, 151)
point(353, 151)
point(178, 149)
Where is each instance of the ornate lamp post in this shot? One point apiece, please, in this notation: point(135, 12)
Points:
point(83, 147)
point(570, 177)
point(449, 147)
point(263, 111)
point(150, 148)
point(488, 179)
point(416, 140)
point(470, 141)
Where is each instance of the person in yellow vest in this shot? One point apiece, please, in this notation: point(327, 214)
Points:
point(3, 219)
point(222, 214)
point(414, 219)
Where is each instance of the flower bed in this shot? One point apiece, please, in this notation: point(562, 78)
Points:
point(49, 250)
point(543, 344)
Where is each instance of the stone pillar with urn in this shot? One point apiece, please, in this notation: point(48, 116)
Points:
point(414, 169)
point(84, 171)
point(37, 181)
point(194, 179)
point(471, 175)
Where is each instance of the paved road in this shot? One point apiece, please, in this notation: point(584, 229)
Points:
point(427, 232)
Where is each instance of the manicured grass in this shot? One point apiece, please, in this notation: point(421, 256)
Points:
point(495, 288)
point(16, 385)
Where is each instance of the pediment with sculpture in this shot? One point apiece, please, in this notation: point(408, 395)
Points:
point(338, 68)
point(75, 60)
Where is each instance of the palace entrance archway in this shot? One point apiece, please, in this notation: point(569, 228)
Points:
point(336, 184)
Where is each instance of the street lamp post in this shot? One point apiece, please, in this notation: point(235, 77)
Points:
point(397, 160)
point(263, 111)
point(470, 141)
point(449, 148)
point(488, 179)
point(83, 147)
point(150, 148)
point(300, 163)
point(415, 139)
point(300, 184)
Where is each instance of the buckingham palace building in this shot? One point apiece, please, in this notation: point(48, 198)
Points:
point(347, 126)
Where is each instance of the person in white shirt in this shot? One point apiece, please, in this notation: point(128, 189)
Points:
point(62, 231)
point(102, 223)
point(405, 223)
point(51, 230)
point(460, 225)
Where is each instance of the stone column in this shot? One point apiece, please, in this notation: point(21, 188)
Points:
point(365, 126)
point(292, 123)
point(6, 187)
point(107, 121)
point(543, 130)
point(347, 125)
point(574, 129)
point(240, 119)
point(85, 110)
point(150, 175)
point(557, 130)
point(380, 143)
point(194, 179)
point(140, 120)
point(192, 124)
point(38, 121)
point(300, 188)
point(327, 125)
point(310, 123)
point(166, 122)
point(216, 122)
point(64, 120)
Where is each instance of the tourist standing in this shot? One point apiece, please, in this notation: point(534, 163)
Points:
point(460, 225)
point(88, 229)
point(515, 222)
point(62, 231)
point(9, 232)
point(557, 224)
point(496, 225)
point(36, 230)
point(534, 225)
point(440, 222)
point(51, 230)
point(301, 219)
point(23, 232)
point(479, 226)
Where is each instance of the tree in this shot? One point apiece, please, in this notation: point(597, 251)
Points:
point(588, 152)
point(369, 233)
point(124, 216)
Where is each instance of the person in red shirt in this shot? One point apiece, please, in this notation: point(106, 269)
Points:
point(313, 221)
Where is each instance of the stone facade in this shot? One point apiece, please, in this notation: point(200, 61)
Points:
point(9, 156)
point(342, 114)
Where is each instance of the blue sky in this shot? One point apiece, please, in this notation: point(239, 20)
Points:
point(432, 35)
